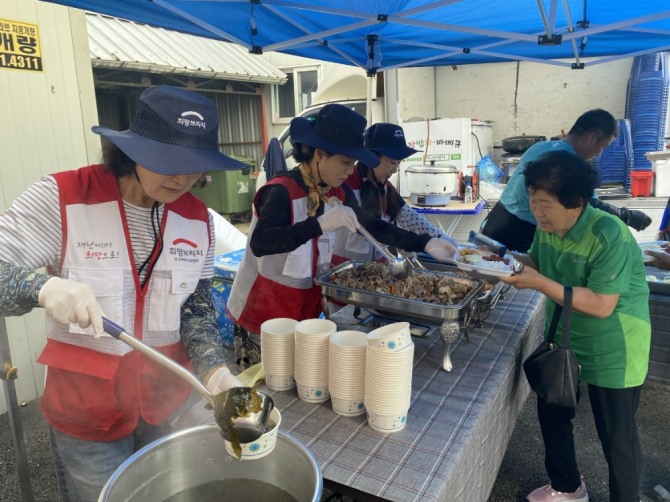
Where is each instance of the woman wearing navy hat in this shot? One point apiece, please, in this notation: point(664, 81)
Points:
point(377, 195)
point(293, 229)
point(128, 239)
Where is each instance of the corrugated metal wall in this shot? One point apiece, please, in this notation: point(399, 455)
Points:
point(47, 115)
point(240, 129)
point(113, 111)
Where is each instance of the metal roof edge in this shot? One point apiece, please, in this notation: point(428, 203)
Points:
point(153, 68)
point(122, 44)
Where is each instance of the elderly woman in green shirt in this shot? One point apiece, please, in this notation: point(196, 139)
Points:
point(595, 253)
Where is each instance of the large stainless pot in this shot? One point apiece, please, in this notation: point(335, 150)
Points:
point(197, 456)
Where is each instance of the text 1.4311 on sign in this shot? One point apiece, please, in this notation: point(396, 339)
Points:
point(20, 46)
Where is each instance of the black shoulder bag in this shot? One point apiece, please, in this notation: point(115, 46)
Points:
point(552, 371)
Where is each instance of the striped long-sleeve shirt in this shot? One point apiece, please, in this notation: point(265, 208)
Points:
point(31, 238)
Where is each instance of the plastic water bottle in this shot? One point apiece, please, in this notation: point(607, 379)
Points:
point(467, 198)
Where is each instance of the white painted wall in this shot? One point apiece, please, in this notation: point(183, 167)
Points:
point(48, 116)
point(548, 98)
point(417, 94)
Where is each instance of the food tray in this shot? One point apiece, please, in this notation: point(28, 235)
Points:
point(483, 269)
point(489, 297)
point(659, 287)
point(396, 305)
point(654, 246)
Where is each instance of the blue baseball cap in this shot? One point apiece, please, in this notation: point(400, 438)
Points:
point(388, 139)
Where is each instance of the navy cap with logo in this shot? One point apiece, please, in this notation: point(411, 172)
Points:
point(388, 139)
point(175, 131)
point(337, 130)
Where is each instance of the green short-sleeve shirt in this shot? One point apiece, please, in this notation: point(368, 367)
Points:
point(600, 253)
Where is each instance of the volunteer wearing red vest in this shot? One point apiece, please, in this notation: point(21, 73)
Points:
point(127, 239)
point(293, 231)
point(377, 195)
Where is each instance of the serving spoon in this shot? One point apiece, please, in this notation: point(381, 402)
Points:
point(241, 413)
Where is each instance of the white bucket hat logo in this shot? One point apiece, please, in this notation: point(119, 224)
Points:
point(188, 122)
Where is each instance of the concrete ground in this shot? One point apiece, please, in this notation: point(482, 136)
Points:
point(522, 469)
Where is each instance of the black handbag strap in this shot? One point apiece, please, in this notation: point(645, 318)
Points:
point(567, 317)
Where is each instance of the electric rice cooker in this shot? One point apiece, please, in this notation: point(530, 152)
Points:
point(432, 185)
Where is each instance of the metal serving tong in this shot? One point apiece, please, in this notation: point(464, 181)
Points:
point(398, 266)
point(412, 259)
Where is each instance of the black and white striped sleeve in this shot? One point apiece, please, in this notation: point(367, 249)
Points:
point(31, 236)
point(30, 239)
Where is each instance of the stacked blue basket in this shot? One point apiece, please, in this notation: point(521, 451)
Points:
point(646, 106)
point(616, 161)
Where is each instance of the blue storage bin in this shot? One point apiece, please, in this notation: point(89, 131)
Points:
point(226, 265)
point(225, 268)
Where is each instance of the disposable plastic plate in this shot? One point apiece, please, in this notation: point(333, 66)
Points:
point(484, 267)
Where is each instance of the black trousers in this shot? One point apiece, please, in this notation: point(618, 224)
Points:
point(614, 414)
point(508, 229)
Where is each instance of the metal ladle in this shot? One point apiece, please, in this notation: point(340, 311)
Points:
point(397, 265)
point(235, 426)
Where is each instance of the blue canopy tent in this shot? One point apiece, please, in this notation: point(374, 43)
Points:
point(380, 35)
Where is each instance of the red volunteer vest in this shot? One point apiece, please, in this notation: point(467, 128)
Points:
point(91, 392)
point(268, 298)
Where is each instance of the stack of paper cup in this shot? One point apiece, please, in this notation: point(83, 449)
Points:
point(311, 358)
point(388, 376)
point(346, 372)
point(278, 352)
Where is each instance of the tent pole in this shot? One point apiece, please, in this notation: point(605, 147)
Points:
point(368, 101)
point(391, 114)
point(8, 376)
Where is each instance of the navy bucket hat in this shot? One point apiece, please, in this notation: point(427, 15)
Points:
point(337, 130)
point(175, 131)
point(389, 140)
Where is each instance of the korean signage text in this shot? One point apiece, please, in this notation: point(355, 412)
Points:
point(445, 141)
point(20, 46)
point(438, 145)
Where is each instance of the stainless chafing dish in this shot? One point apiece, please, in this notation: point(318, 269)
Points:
point(486, 300)
point(448, 315)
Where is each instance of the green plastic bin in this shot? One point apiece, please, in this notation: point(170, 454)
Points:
point(229, 192)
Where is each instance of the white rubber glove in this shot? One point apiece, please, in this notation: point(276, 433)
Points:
point(221, 381)
point(440, 249)
point(71, 301)
point(450, 240)
point(337, 217)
